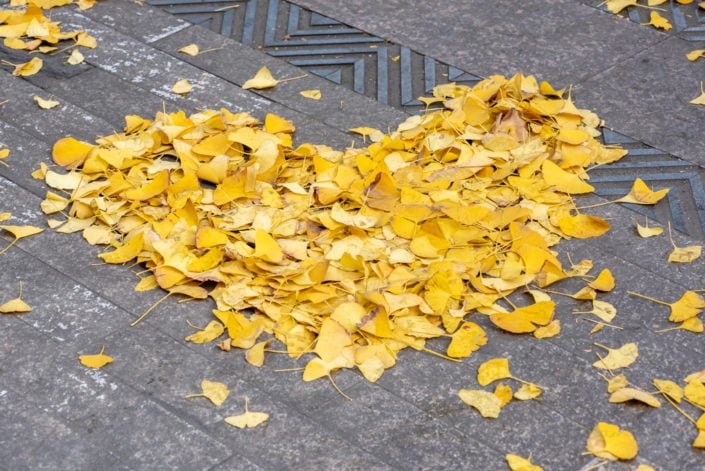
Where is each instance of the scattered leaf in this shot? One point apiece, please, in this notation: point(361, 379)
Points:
point(98, 360)
point(46, 104)
point(248, 419)
point(695, 54)
point(617, 358)
point(646, 231)
point(76, 57)
point(191, 50)
point(214, 391)
point(28, 68)
point(486, 403)
point(492, 370)
point(182, 87)
point(658, 21)
point(633, 394)
point(15, 306)
point(263, 79)
point(518, 463)
point(607, 441)
point(640, 193)
point(527, 392)
point(312, 94)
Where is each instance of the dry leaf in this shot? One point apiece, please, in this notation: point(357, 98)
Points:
point(28, 68)
point(670, 389)
point(98, 360)
point(255, 355)
point(695, 392)
point(46, 104)
point(607, 441)
point(646, 231)
point(19, 232)
point(699, 100)
point(15, 306)
point(617, 382)
point(552, 329)
point(214, 391)
point(525, 319)
point(75, 58)
point(632, 394)
point(212, 331)
point(492, 370)
point(182, 87)
point(312, 94)
point(248, 419)
point(658, 21)
point(616, 6)
point(695, 54)
point(617, 358)
point(583, 226)
point(517, 463)
point(604, 281)
point(685, 254)
point(263, 79)
point(486, 403)
point(191, 50)
point(640, 193)
point(527, 392)
point(601, 309)
point(467, 339)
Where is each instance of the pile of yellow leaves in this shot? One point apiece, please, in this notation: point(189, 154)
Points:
point(29, 29)
point(350, 255)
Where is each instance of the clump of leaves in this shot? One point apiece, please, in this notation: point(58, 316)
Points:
point(352, 255)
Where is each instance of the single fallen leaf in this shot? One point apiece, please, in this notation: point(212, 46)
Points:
point(76, 57)
point(525, 319)
point(604, 281)
point(263, 79)
point(633, 394)
point(28, 68)
point(658, 21)
point(695, 54)
point(214, 391)
point(699, 100)
point(607, 441)
point(699, 441)
point(212, 331)
point(695, 392)
point(646, 231)
point(46, 104)
point(685, 254)
point(504, 393)
point(312, 94)
point(583, 226)
point(518, 463)
point(98, 360)
point(640, 193)
point(601, 309)
point(182, 87)
point(670, 389)
point(467, 339)
point(527, 392)
point(4, 153)
point(492, 370)
point(191, 50)
point(486, 403)
point(19, 232)
point(255, 355)
point(616, 6)
point(617, 382)
point(248, 419)
point(644, 467)
point(552, 329)
point(70, 152)
point(15, 306)
point(618, 358)
point(689, 305)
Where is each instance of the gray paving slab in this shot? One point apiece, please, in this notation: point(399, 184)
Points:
point(647, 96)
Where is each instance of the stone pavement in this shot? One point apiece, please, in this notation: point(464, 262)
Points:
point(56, 414)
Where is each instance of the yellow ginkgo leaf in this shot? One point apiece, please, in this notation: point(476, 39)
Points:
point(633, 394)
point(616, 6)
point(19, 232)
point(125, 252)
point(617, 382)
point(214, 391)
point(28, 68)
point(685, 254)
point(468, 338)
point(695, 392)
point(255, 355)
point(492, 370)
point(518, 463)
point(4, 153)
point(640, 193)
point(567, 182)
point(700, 99)
point(527, 392)
point(607, 441)
point(618, 358)
point(583, 226)
point(212, 331)
point(602, 309)
point(525, 319)
point(248, 419)
point(504, 393)
point(263, 79)
point(604, 281)
point(69, 152)
point(689, 305)
point(552, 329)
point(15, 306)
point(182, 87)
point(98, 360)
point(486, 403)
point(191, 50)
point(76, 57)
point(695, 54)
point(312, 94)
point(699, 441)
point(658, 21)
point(670, 389)
point(646, 231)
point(46, 104)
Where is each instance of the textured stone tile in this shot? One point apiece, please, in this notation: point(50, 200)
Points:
point(339, 106)
point(20, 167)
point(64, 310)
point(563, 40)
point(156, 71)
point(646, 97)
